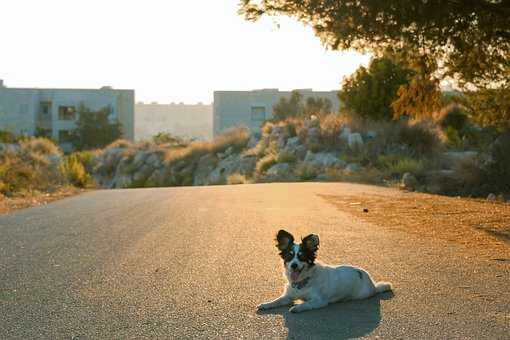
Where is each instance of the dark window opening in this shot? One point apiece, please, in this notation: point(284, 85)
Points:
point(66, 113)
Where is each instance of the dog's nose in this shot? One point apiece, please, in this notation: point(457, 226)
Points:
point(293, 266)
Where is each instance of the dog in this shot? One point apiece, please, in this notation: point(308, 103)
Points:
point(317, 284)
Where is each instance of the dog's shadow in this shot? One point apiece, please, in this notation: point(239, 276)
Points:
point(345, 320)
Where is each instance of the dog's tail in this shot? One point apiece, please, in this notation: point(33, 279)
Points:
point(381, 287)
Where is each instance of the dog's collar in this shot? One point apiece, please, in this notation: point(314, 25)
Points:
point(300, 284)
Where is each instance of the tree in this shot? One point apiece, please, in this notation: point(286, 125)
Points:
point(470, 38)
point(94, 129)
point(370, 92)
point(294, 106)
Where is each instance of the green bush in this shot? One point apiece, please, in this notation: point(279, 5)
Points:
point(305, 172)
point(286, 157)
point(498, 170)
point(395, 166)
point(370, 92)
point(453, 116)
point(7, 137)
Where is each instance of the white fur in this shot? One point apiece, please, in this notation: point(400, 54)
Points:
point(326, 285)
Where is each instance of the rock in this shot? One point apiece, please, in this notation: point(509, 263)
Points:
point(492, 197)
point(355, 140)
point(352, 168)
point(409, 182)
point(292, 143)
point(123, 181)
point(140, 158)
point(346, 132)
point(279, 170)
point(253, 141)
point(143, 173)
point(323, 160)
point(371, 135)
point(247, 165)
point(225, 168)
point(300, 151)
point(158, 178)
point(229, 151)
point(205, 166)
point(153, 160)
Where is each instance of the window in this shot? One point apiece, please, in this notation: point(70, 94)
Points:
point(66, 113)
point(64, 136)
point(45, 108)
point(258, 113)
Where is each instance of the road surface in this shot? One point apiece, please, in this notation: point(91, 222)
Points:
point(192, 263)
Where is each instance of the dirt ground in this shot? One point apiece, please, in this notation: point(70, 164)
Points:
point(476, 224)
point(9, 204)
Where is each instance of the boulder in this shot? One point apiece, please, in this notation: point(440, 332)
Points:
point(323, 160)
point(247, 165)
point(279, 170)
point(205, 166)
point(409, 182)
point(143, 173)
point(352, 168)
point(355, 140)
point(346, 132)
point(140, 158)
point(491, 197)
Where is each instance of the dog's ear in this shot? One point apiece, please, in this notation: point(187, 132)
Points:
point(284, 240)
point(311, 242)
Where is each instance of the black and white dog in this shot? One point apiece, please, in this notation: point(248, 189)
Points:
point(317, 284)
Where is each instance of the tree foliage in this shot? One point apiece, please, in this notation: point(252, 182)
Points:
point(95, 129)
point(471, 38)
point(370, 91)
point(295, 107)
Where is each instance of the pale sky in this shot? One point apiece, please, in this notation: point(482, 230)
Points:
point(167, 50)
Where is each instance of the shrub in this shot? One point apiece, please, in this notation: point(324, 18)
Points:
point(72, 169)
point(395, 166)
point(95, 129)
point(41, 146)
point(453, 116)
point(421, 139)
point(286, 157)
point(7, 137)
point(306, 172)
point(264, 163)
point(498, 170)
point(236, 179)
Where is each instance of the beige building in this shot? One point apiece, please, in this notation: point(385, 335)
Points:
point(53, 112)
point(191, 121)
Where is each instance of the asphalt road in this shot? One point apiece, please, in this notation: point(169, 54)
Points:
point(186, 263)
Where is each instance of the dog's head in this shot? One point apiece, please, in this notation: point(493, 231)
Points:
point(297, 258)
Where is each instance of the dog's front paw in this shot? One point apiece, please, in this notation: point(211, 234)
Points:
point(296, 309)
point(264, 306)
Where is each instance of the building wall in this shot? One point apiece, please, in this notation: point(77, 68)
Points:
point(191, 121)
point(21, 110)
point(251, 108)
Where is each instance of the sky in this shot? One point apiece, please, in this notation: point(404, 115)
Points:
point(167, 50)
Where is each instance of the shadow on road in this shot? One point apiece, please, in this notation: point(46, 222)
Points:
point(344, 320)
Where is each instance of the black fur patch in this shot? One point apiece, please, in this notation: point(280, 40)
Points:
point(306, 255)
point(360, 274)
point(285, 243)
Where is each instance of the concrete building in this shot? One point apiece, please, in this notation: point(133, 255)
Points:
point(252, 108)
point(53, 112)
point(191, 121)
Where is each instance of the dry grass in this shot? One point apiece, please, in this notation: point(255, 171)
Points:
point(10, 204)
point(476, 224)
point(237, 179)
